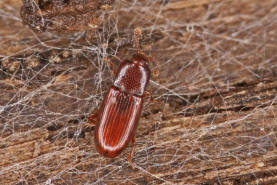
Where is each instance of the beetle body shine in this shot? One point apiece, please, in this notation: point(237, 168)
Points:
point(120, 111)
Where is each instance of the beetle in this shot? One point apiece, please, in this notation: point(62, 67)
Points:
point(119, 114)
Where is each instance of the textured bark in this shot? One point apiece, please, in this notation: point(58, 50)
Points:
point(216, 117)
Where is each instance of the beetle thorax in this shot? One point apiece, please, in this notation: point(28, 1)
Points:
point(132, 78)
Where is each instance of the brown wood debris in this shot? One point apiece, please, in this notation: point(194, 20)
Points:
point(61, 16)
point(215, 119)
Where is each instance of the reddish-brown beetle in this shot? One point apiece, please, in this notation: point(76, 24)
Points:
point(120, 111)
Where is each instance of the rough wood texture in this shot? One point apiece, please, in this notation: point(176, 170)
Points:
point(216, 119)
point(63, 16)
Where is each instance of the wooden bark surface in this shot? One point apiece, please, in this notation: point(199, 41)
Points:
point(216, 117)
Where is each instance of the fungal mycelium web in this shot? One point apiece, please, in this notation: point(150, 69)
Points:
point(215, 120)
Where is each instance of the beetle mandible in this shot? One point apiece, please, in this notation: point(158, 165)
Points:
point(119, 114)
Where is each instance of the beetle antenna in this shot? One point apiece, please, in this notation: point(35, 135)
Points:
point(137, 35)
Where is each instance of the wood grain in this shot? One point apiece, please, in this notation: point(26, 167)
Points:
point(216, 117)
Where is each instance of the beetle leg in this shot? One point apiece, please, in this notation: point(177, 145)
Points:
point(149, 94)
point(156, 72)
point(131, 153)
point(156, 65)
point(91, 120)
point(111, 64)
